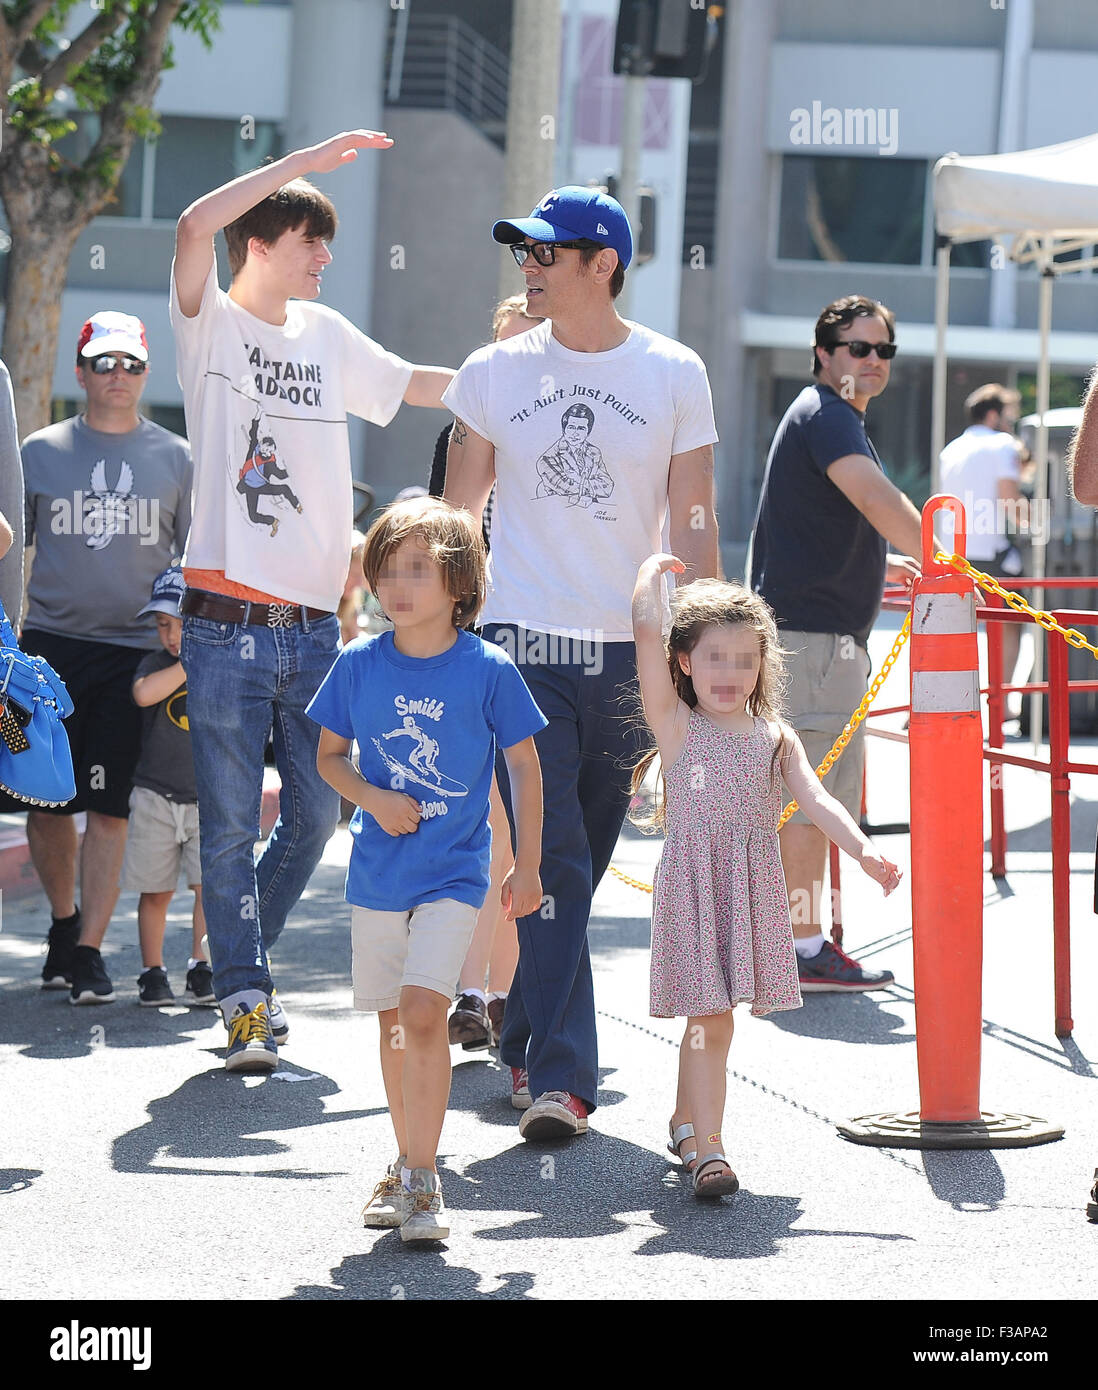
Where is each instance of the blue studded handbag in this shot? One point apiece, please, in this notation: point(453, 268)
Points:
point(35, 758)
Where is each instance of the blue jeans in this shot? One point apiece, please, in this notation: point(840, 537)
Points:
point(241, 682)
point(587, 752)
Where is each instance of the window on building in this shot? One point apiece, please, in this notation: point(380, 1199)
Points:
point(867, 209)
point(192, 155)
point(195, 154)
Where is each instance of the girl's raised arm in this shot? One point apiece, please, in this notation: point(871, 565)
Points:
point(658, 694)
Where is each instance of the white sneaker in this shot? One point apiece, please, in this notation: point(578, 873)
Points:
point(385, 1209)
point(280, 1024)
point(424, 1213)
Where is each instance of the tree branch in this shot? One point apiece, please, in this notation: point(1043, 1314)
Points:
point(53, 75)
point(145, 78)
point(30, 21)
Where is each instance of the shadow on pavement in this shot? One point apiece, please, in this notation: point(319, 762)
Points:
point(747, 1226)
point(17, 1179)
point(216, 1115)
point(43, 1024)
point(968, 1179)
point(854, 1018)
point(395, 1271)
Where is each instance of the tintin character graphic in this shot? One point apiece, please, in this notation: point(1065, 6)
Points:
point(257, 475)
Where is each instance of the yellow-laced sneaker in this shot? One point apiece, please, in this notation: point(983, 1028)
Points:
point(251, 1047)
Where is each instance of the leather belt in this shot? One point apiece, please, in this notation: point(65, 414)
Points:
point(220, 608)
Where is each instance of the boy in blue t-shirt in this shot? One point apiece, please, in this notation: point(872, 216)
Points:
point(427, 704)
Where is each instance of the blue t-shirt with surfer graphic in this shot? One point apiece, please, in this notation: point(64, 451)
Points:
point(429, 727)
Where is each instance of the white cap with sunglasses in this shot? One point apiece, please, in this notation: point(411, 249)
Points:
point(111, 332)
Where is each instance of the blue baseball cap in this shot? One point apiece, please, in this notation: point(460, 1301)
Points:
point(168, 589)
point(571, 214)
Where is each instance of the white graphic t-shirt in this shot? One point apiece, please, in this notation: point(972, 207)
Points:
point(266, 408)
point(583, 445)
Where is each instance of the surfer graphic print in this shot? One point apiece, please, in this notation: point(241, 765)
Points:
point(428, 727)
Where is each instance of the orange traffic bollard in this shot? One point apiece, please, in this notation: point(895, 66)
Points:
point(947, 870)
point(947, 850)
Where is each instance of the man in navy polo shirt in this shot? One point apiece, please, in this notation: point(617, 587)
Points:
point(819, 558)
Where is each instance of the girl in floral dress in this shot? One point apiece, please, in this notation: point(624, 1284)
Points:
point(720, 916)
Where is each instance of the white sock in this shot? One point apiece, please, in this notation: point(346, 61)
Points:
point(809, 946)
point(406, 1178)
point(496, 994)
point(478, 993)
point(191, 963)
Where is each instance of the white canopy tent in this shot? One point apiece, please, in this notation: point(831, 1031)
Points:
point(1038, 203)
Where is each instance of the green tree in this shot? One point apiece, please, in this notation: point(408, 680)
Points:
point(111, 66)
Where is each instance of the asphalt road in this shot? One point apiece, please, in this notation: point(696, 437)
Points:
point(135, 1167)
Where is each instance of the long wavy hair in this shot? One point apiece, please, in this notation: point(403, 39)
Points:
point(694, 607)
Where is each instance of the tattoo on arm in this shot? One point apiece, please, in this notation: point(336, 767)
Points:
point(458, 433)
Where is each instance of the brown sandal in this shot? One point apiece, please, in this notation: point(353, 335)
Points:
point(717, 1184)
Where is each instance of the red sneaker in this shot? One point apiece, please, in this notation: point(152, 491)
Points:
point(520, 1089)
point(554, 1115)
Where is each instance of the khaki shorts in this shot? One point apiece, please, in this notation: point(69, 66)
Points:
point(425, 946)
point(162, 839)
point(828, 676)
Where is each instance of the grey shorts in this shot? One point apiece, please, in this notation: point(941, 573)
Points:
point(162, 839)
point(828, 676)
point(424, 946)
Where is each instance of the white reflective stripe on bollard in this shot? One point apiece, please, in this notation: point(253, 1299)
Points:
point(945, 692)
point(941, 613)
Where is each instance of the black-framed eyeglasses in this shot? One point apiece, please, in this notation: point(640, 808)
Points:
point(859, 348)
point(544, 252)
point(104, 364)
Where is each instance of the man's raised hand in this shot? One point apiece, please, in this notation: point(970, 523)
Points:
point(343, 149)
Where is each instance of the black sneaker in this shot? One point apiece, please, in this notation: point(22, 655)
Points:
point(90, 982)
point(200, 988)
point(153, 988)
point(469, 1024)
point(832, 969)
point(62, 939)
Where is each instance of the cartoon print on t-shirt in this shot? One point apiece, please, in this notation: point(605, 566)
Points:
point(259, 468)
point(573, 467)
point(107, 510)
point(420, 766)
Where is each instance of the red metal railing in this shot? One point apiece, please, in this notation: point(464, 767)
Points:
point(1059, 766)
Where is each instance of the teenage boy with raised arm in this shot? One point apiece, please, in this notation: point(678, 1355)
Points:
point(269, 377)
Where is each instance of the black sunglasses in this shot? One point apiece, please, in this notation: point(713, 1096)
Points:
point(544, 252)
point(106, 363)
point(859, 348)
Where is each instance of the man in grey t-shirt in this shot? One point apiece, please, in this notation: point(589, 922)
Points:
point(108, 506)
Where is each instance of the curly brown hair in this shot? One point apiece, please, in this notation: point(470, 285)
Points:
point(695, 607)
point(453, 540)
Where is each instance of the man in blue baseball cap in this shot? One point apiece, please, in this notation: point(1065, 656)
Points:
point(582, 497)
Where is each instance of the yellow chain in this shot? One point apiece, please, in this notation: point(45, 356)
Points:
point(858, 715)
point(836, 748)
point(1071, 635)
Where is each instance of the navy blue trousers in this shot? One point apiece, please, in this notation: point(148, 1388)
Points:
point(587, 752)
